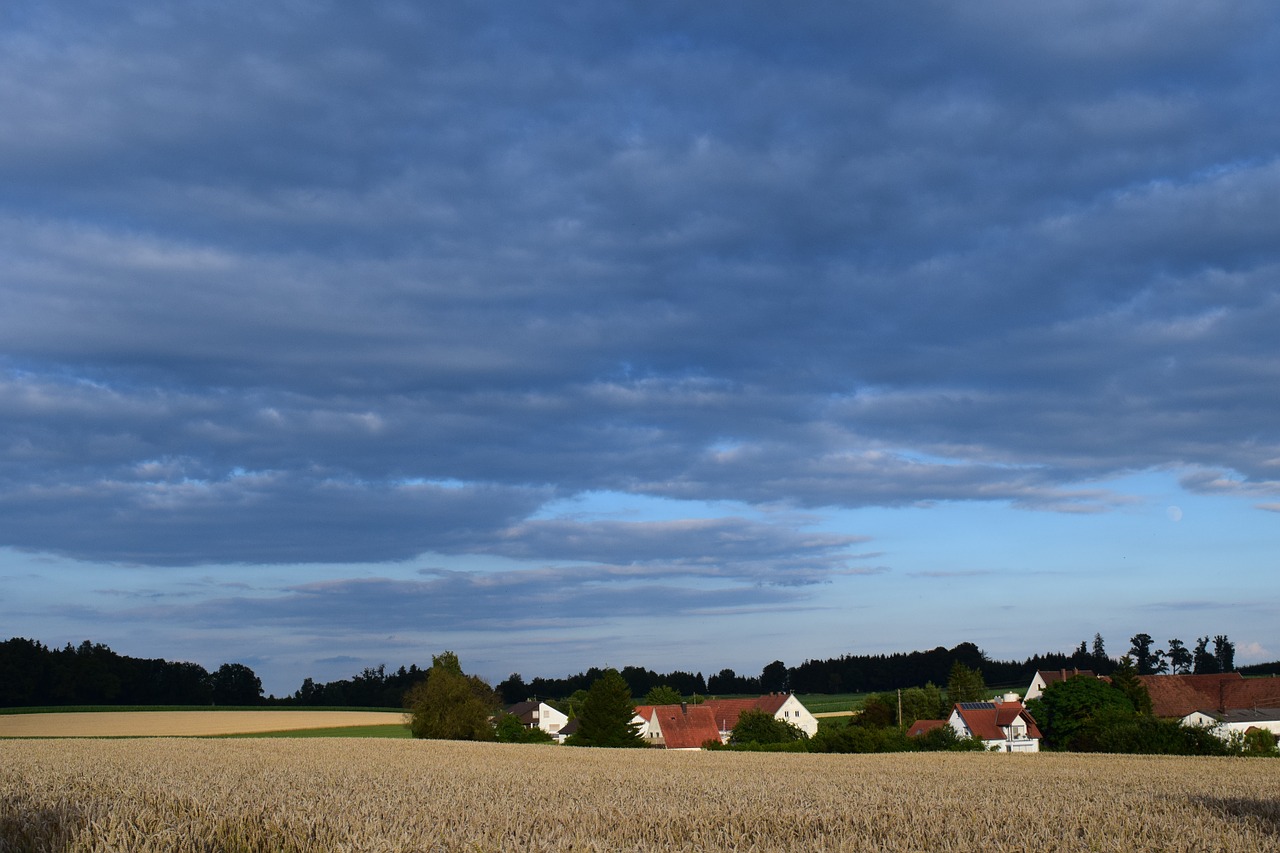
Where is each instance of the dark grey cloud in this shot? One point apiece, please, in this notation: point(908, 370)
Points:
point(322, 283)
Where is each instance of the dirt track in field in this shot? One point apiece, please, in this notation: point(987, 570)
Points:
point(184, 723)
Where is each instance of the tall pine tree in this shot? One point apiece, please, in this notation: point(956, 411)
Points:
point(605, 716)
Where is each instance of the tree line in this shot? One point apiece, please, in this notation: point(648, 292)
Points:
point(31, 674)
point(1177, 659)
point(91, 673)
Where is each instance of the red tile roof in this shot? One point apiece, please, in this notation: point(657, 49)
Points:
point(1052, 676)
point(1179, 695)
point(984, 719)
point(686, 727)
point(919, 727)
point(1251, 693)
point(727, 711)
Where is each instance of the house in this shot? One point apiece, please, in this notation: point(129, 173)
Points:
point(783, 706)
point(1003, 725)
point(1043, 678)
point(1177, 696)
point(920, 727)
point(682, 726)
point(568, 729)
point(645, 725)
point(1242, 720)
point(539, 715)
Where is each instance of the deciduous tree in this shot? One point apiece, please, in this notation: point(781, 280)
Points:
point(761, 727)
point(235, 684)
point(1224, 651)
point(773, 678)
point(662, 695)
point(1204, 662)
point(1067, 710)
point(451, 705)
point(1140, 651)
point(1180, 657)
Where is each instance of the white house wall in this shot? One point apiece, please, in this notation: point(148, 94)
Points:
point(549, 719)
point(797, 715)
point(1224, 730)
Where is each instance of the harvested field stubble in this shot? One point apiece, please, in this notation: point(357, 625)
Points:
point(381, 795)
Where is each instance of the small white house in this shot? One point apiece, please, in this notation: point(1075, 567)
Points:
point(1003, 725)
point(539, 715)
point(1224, 723)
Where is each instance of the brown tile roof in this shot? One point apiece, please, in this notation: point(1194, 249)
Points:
point(919, 727)
point(1179, 695)
point(1052, 676)
point(524, 711)
point(686, 727)
point(727, 711)
point(1251, 693)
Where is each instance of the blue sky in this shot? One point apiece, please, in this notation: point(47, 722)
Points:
point(600, 333)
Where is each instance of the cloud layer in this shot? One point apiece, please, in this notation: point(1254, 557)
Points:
point(319, 283)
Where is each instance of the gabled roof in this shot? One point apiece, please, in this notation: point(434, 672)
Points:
point(524, 710)
point(687, 726)
point(1179, 695)
point(984, 719)
point(919, 727)
point(1052, 676)
point(727, 711)
point(1246, 715)
point(1249, 693)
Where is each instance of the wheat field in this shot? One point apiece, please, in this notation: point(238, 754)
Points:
point(184, 723)
point(387, 795)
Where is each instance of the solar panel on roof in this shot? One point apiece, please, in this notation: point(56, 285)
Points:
point(975, 706)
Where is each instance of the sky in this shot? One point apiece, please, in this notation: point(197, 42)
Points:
point(666, 334)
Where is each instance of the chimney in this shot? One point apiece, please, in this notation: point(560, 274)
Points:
point(684, 708)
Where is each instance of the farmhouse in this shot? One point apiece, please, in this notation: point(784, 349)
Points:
point(539, 715)
point(1003, 725)
point(1043, 678)
point(1176, 696)
point(682, 726)
point(783, 706)
point(1226, 723)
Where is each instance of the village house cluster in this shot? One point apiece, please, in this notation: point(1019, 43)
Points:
point(682, 726)
point(1224, 703)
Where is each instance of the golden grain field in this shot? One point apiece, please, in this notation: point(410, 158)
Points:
point(389, 795)
point(183, 723)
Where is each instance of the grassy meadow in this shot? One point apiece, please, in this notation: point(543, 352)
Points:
point(366, 794)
